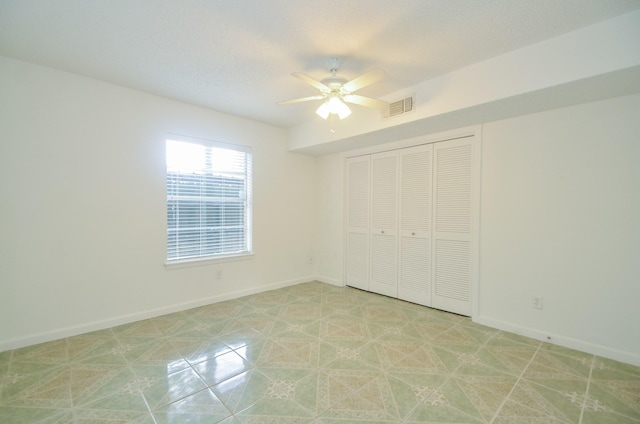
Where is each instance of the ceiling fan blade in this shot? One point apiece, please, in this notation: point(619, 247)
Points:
point(366, 101)
point(363, 80)
point(301, 99)
point(311, 81)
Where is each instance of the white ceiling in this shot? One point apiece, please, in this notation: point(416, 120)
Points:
point(236, 56)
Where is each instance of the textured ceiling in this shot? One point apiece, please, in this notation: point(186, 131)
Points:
point(236, 56)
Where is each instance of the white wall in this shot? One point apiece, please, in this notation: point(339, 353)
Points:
point(560, 218)
point(82, 216)
point(330, 227)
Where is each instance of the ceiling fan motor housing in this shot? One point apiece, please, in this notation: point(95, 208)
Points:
point(334, 82)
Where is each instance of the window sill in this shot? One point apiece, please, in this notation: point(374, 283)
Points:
point(188, 263)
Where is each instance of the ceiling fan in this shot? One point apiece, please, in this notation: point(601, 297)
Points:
point(336, 91)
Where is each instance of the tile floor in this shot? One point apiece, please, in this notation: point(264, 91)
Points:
point(312, 353)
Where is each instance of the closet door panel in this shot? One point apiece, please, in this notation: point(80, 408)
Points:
point(453, 225)
point(452, 291)
point(358, 215)
point(384, 223)
point(415, 270)
point(358, 262)
point(384, 265)
point(415, 262)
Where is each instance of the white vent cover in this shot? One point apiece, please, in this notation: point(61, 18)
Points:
point(400, 107)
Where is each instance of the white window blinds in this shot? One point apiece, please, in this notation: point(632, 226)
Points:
point(208, 199)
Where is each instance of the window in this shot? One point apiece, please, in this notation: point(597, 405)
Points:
point(208, 199)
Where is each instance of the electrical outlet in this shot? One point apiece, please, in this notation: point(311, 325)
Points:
point(218, 275)
point(536, 302)
point(310, 260)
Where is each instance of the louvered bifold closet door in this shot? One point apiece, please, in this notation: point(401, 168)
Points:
point(384, 223)
point(358, 201)
point(414, 279)
point(453, 232)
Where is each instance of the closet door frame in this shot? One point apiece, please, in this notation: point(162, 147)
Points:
point(474, 132)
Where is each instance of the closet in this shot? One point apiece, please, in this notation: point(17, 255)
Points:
point(412, 217)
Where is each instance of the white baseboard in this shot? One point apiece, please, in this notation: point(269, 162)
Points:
point(328, 280)
point(75, 330)
point(568, 342)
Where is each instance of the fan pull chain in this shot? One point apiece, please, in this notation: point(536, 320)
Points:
point(332, 117)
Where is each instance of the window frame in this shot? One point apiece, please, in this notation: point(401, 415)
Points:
point(208, 259)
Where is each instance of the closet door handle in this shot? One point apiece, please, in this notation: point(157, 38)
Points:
point(413, 234)
point(382, 231)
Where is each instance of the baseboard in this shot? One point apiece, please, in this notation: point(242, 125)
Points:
point(62, 333)
point(568, 342)
point(328, 280)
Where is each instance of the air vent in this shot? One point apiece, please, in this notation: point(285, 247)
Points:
point(400, 107)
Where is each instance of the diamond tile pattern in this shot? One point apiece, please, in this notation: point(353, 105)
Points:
point(312, 353)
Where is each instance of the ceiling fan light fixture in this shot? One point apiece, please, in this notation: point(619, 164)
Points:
point(336, 91)
point(333, 106)
point(323, 110)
